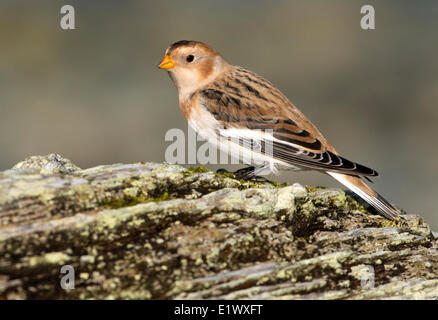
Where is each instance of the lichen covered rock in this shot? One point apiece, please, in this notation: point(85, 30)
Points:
point(154, 231)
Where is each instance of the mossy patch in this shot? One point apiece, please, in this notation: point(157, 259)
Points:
point(311, 189)
point(250, 184)
point(117, 203)
point(225, 174)
point(198, 169)
point(278, 184)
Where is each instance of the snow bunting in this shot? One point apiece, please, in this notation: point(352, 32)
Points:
point(221, 101)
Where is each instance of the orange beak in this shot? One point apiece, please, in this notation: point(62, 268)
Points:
point(166, 63)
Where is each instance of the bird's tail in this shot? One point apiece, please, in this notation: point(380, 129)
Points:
point(358, 186)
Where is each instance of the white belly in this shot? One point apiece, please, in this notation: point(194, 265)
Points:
point(208, 128)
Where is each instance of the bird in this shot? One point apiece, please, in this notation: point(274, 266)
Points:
point(235, 109)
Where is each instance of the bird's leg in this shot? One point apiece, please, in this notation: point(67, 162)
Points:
point(248, 173)
point(244, 173)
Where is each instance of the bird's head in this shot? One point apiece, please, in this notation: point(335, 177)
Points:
point(192, 64)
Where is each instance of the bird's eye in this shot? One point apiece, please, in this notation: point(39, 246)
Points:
point(190, 58)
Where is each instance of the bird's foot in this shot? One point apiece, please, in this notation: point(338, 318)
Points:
point(247, 173)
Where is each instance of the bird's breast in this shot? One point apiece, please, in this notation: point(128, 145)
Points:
point(201, 120)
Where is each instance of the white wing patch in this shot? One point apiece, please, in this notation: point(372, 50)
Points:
point(245, 144)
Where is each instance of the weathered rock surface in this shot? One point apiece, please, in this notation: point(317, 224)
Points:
point(159, 231)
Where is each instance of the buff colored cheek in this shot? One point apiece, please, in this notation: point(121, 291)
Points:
point(206, 69)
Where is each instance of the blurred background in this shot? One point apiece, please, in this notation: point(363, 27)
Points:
point(96, 96)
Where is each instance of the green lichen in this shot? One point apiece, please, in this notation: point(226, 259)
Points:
point(116, 203)
point(225, 174)
point(278, 184)
point(315, 188)
point(386, 223)
point(198, 169)
point(255, 183)
point(354, 205)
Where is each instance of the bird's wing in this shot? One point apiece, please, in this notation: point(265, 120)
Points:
point(243, 103)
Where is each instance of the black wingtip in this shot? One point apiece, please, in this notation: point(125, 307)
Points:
point(366, 171)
